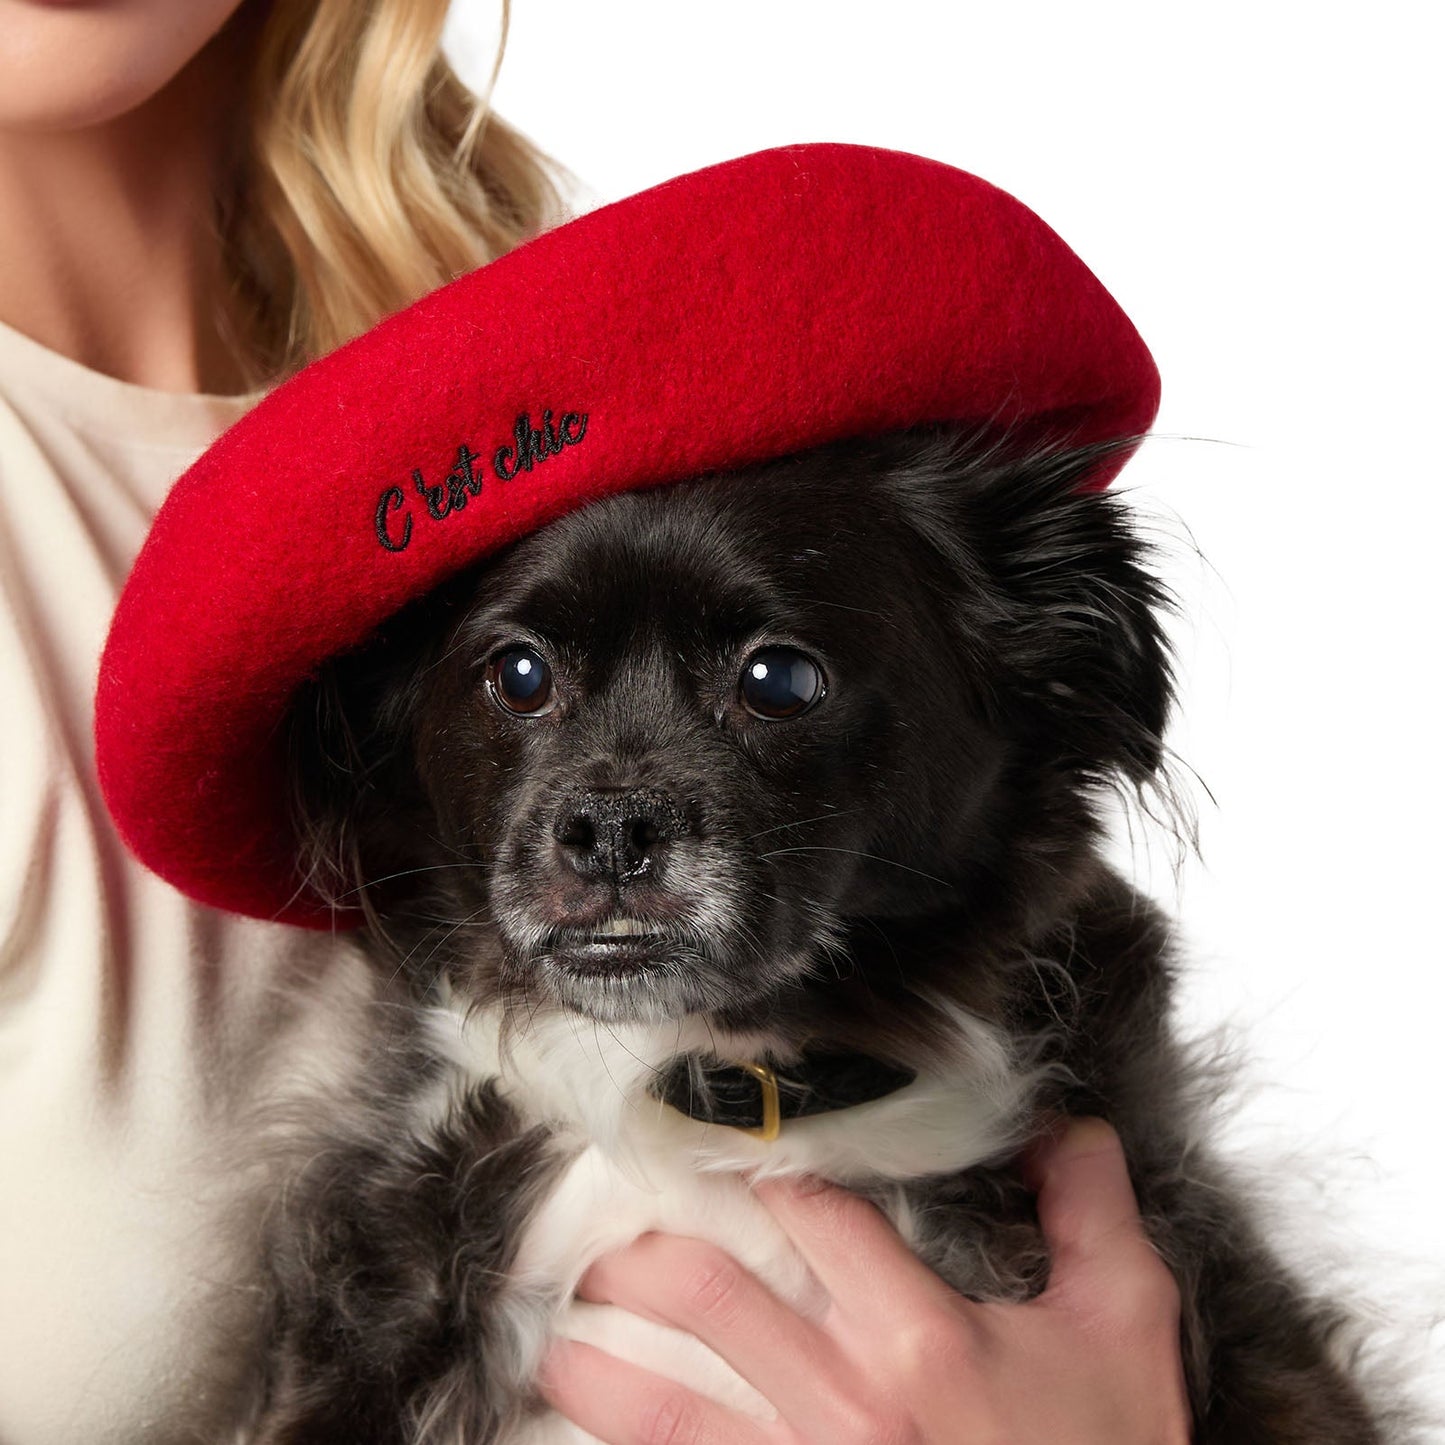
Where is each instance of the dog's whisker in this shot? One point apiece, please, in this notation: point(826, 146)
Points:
point(606, 1064)
point(451, 933)
point(403, 873)
point(857, 853)
point(845, 607)
point(410, 953)
point(629, 1052)
point(888, 944)
point(801, 822)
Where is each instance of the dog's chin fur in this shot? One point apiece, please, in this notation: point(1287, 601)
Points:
point(566, 903)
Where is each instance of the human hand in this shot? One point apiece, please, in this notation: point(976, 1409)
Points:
point(899, 1358)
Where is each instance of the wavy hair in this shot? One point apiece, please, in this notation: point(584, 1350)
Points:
point(367, 174)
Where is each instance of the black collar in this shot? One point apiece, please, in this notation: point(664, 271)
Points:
point(758, 1097)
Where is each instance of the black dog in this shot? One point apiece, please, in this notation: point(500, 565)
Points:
point(796, 768)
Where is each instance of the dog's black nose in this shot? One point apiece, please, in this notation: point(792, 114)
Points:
point(615, 834)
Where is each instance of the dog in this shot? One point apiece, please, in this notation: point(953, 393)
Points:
point(772, 792)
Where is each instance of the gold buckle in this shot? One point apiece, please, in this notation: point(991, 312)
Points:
point(772, 1124)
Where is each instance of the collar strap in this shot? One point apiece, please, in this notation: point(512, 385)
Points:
point(758, 1097)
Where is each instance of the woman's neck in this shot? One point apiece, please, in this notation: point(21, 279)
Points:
point(108, 247)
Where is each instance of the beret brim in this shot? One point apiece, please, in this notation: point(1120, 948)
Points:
point(746, 311)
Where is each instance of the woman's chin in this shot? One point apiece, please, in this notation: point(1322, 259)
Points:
point(69, 66)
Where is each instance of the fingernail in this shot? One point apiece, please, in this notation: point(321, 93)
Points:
point(812, 1184)
point(1049, 1126)
point(800, 1184)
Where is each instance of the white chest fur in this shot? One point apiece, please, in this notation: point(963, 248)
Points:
point(641, 1165)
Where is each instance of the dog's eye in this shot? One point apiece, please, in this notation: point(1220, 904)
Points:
point(780, 682)
point(522, 682)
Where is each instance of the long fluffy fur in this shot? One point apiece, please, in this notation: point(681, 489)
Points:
point(910, 870)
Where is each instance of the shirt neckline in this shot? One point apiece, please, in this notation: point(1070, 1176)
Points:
point(101, 405)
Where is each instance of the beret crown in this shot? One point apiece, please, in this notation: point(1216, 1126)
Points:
point(752, 309)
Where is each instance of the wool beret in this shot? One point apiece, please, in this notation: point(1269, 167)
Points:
point(746, 311)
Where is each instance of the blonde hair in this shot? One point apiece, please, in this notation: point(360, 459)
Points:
point(368, 175)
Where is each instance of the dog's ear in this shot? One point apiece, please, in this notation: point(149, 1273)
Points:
point(1055, 586)
point(357, 804)
point(1079, 624)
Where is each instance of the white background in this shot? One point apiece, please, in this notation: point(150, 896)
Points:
point(1258, 185)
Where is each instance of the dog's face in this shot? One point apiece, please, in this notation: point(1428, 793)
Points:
point(707, 749)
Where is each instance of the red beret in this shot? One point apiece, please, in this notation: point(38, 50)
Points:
point(746, 311)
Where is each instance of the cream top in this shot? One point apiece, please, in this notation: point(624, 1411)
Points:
point(139, 1033)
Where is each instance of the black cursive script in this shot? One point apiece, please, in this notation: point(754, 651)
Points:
point(531, 446)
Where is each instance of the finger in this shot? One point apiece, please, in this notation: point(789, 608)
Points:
point(1086, 1204)
point(699, 1288)
point(622, 1404)
point(856, 1254)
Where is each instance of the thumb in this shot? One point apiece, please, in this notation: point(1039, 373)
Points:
point(1086, 1204)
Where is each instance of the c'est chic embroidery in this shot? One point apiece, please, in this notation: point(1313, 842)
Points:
point(530, 447)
